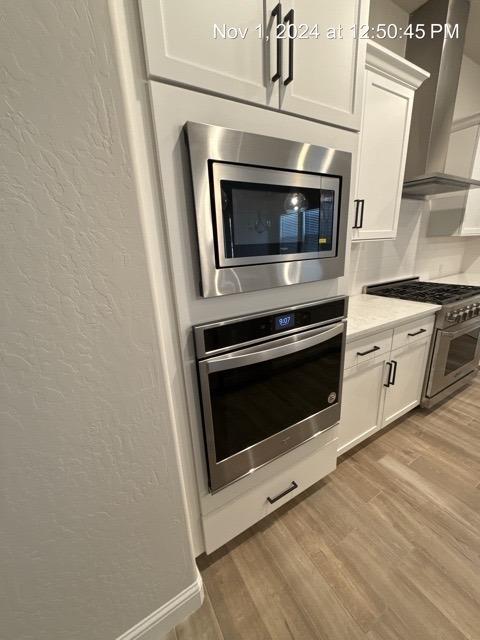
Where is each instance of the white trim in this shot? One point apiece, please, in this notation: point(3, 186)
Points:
point(467, 122)
point(160, 622)
point(131, 69)
point(393, 66)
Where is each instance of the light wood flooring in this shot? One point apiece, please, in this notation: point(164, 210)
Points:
point(385, 548)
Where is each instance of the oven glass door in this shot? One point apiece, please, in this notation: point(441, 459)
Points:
point(456, 355)
point(266, 215)
point(261, 401)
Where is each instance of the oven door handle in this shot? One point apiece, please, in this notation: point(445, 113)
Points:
point(465, 329)
point(261, 354)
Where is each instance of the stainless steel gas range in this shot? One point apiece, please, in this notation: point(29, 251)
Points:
point(455, 349)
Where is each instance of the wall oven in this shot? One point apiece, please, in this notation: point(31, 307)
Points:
point(268, 382)
point(269, 212)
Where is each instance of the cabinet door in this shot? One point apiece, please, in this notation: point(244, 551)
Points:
point(362, 397)
point(383, 148)
point(184, 43)
point(327, 74)
point(406, 392)
point(471, 217)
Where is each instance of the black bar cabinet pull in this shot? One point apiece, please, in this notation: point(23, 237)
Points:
point(362, 211)
point(359, 207)
point(365, 353)
point(394, 376)
point(355, 224)
point(289, 19)
point(388, 383)
point(417, 333)
point(292, 487)
point(277, 14)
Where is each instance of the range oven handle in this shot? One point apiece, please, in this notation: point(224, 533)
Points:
point(466, 329)
point(261, 354)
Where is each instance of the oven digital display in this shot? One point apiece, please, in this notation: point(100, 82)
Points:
point(286, 321)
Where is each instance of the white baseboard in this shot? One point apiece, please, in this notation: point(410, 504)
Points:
point(161, 621)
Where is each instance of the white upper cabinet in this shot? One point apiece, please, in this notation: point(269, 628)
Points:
point(326, 73)
point(390, 87)
point(212, 45)
point(459, 214)
point(267, 53)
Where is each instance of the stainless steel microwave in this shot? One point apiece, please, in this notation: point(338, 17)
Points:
point(269, 212)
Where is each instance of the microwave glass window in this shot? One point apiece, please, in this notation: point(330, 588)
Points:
point(276, 220)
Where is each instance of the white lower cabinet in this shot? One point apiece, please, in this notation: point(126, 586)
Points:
point(361, 404)
point(388, 384)
point(408, 371)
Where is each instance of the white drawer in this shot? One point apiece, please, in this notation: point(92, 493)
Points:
point(223, 524)
point(413, 331)
point(368, 348)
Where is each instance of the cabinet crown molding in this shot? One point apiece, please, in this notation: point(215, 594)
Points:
point(466, 122)
point(393, 66)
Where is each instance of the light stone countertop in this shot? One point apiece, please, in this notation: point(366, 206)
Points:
point(461, 278)
point(369, 314)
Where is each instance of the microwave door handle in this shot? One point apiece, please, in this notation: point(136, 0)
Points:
point(262, 354)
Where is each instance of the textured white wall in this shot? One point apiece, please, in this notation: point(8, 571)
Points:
point(93, 526)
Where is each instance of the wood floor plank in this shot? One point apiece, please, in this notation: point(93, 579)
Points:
point(364, 487)
point(309, 589)
point(434, 444)
point(448, 477)
point(442, 548)
point(237, 615)
point(284, 619)
point(415, 482)
point(385, 548)
point(446, 596)
point(421, 618)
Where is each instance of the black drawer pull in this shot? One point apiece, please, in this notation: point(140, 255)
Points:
point(292, 487)
point(365, 353)
point(417, 333)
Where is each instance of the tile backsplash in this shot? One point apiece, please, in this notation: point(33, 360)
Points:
point(411, 253)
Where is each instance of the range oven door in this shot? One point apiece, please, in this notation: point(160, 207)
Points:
point(263, 400)
point(267, 216)
point(455, 355)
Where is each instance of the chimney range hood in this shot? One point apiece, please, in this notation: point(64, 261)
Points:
point(434, 102)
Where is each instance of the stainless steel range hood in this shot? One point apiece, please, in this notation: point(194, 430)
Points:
point(434, 103)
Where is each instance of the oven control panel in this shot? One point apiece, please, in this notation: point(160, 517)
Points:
point(462, 314)
point(237, 332)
